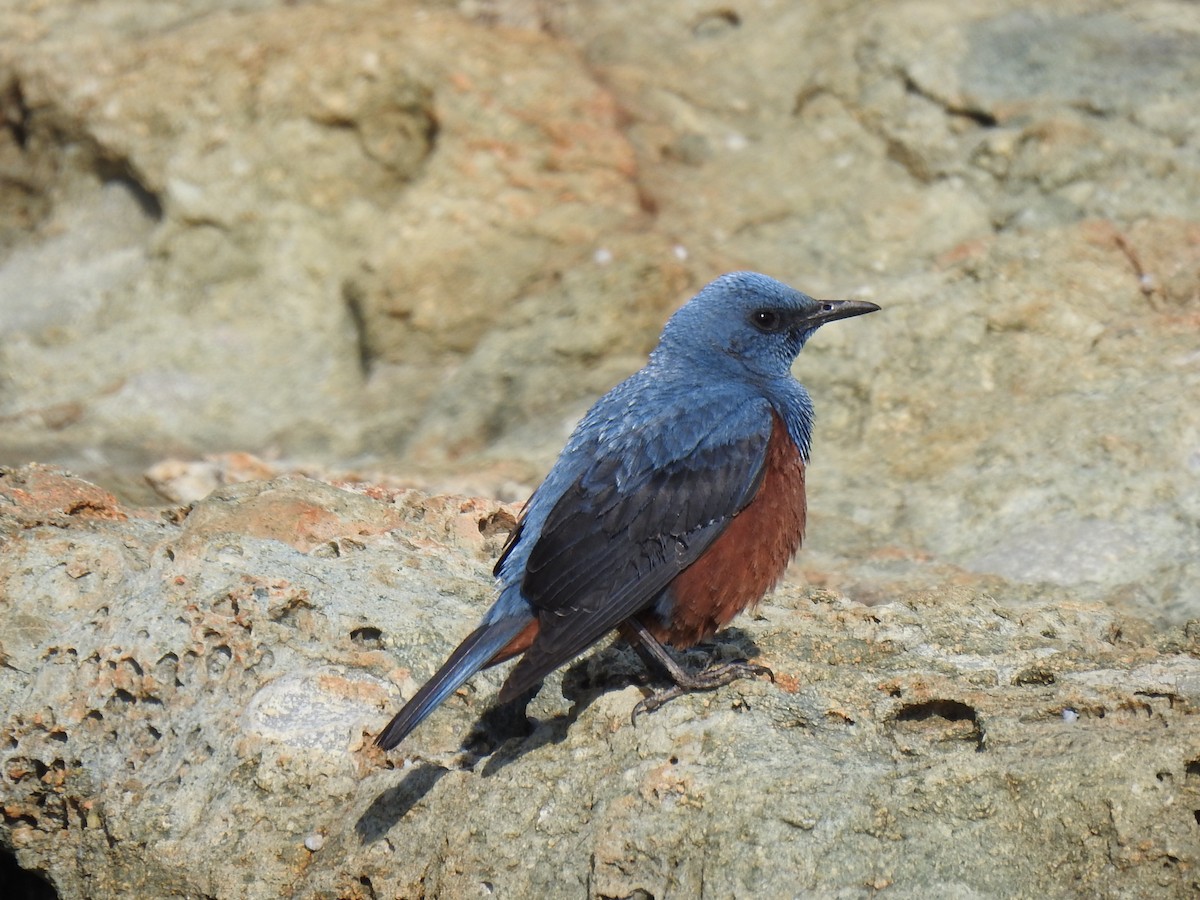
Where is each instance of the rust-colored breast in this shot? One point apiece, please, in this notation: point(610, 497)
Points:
point(749, 556)
point(740, 566)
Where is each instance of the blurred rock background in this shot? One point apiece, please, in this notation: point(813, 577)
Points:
point(411, 242)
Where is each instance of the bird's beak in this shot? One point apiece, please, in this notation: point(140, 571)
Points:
point(831, 310)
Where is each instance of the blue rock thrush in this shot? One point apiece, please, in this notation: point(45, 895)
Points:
point(677, 502)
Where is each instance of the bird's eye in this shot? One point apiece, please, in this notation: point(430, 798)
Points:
point(765, 320)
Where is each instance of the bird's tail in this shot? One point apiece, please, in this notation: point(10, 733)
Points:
point(472, 655)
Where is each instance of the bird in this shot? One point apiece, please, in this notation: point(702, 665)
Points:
point(676, 503)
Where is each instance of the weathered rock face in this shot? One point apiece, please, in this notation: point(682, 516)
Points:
point(425, 236)
point(189, 697)
point(316, 210)
point(419, 238)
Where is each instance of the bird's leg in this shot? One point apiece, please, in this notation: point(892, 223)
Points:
point(655, 656)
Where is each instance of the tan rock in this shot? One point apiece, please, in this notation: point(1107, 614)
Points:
point(191, 712)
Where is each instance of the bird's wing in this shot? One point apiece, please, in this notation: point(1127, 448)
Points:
point(641, 513)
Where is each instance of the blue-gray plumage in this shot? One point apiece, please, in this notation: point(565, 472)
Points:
point(677, 501)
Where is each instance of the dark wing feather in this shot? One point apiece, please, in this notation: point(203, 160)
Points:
point(619, 535)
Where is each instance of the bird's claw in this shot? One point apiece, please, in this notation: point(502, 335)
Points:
point(746, 669)
point(706, 680)
point(654, 701)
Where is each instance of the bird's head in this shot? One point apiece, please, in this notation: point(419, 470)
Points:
point(750, 321)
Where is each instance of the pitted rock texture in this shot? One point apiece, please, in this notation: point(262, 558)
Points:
point(190, 695)
point(421, 237)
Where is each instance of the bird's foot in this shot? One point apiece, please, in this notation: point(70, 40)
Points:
point(706, 680)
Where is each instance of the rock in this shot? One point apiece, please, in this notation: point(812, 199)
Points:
point(190, 695)
point(288, 223)
point(186, 481)
point(417, 240)
point(489, 242)
point(409, 242)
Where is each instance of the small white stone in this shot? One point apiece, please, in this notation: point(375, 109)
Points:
point(314, 842)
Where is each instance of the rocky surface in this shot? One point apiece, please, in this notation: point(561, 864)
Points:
point(409, 242)
point(190, 695)
point(420, 238)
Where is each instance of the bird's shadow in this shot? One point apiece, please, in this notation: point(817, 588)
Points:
point(393, 804)
point(503, 733)
point(615, 666)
